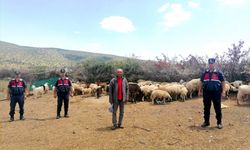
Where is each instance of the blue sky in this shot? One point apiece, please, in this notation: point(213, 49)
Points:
point(145, 28)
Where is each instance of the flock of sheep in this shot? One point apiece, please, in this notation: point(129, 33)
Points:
point(183, 90)
point(77, 88)
point(156, 92)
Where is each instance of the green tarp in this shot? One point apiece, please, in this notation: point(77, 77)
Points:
point(50, 81)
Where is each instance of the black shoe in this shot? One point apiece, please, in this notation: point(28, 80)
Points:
point(22, 117)
point(204, 125)
point(66, 116)
point(120, 126)
point(11, 119)
point(219, 126)
point(58, 117)
point(113, 127)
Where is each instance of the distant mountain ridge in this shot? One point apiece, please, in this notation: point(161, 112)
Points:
point(15, 56)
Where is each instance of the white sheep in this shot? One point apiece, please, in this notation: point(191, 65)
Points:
point(53, 88)
point(39, 91)
point(87, 91)
point(244, 90)
point(160, 94)
point(183, 93)
point(192, 86)
point(94, 88)
point(173, 89)
point(46, 87)
point(147, 90)
point(236, 83)
point(144, 83)
point(227, 89)
point(140, 80)
point(33, 86)
point(77, 89)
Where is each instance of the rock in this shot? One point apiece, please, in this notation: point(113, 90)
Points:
point(224, 106)
point(190, 119)
point(142, 142)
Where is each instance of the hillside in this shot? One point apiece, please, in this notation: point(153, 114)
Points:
point(15, 56)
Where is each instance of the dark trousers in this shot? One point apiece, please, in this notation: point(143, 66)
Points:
point(215, 97)
point(119, 104)
point(16, 99)
point(98, 92)
point(62, 98)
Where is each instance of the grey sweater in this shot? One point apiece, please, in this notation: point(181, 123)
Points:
point(113, 90)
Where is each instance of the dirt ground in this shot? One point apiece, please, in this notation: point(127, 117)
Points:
point(160, 127)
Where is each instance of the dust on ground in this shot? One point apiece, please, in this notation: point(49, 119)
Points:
point(172, 126)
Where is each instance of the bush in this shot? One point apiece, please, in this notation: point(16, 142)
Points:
point(234, 63)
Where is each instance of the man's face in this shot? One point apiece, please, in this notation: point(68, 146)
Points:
point(119, 72)
point(62, 74)
point(211, 66)
point(18, 75)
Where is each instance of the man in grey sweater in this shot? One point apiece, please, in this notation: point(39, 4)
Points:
point(118, 95)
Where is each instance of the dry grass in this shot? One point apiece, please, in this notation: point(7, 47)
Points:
point(3, 88)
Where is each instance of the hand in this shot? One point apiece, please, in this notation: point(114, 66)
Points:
point(71, 95)
point(25, 96)
point(200, 93)
point(223, 94)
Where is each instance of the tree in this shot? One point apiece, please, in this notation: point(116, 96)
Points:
point(235, 55)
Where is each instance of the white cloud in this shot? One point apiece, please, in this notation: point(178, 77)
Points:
point(193, 4)
point(118, 24)
point(175, 17)
point(163, 8)
point(232, 2)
